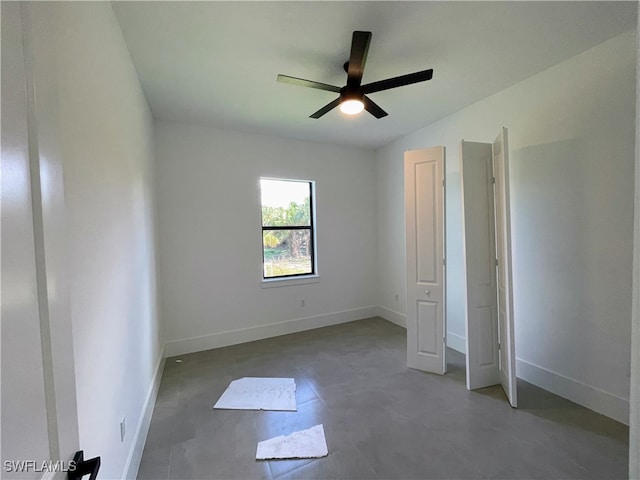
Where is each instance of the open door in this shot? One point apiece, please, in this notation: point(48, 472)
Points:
point(425, 236)
point(482, 357)
point(491, 357)
point(505, 283)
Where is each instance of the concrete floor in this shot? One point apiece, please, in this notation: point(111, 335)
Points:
point(381, 419)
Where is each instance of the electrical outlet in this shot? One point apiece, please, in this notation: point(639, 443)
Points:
point(123, 428)
point(302, 303)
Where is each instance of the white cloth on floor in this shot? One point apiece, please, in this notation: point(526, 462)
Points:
point(309, 443)
point(256, 393)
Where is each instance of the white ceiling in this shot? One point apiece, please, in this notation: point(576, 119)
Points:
point(216, 63)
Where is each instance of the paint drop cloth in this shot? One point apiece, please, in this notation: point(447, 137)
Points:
point(309, 443)
point(256, 393)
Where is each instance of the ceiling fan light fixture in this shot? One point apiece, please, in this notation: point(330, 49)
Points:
point(353, 97)
point(352, 106)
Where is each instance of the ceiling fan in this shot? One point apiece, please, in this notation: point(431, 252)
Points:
point(353, 96)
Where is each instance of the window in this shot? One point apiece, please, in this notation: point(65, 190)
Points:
point(288, 248)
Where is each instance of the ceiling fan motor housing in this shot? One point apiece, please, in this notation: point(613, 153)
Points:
point(351, 93)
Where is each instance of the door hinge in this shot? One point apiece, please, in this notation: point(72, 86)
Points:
point(443, 182)
point(493, 180)
point(499, 346)
point(496, 262)
point(444, 262)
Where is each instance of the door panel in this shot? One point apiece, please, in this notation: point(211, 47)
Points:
point(426, 189)
point(424, 215)
point(428, 328)
point(505, 284)
point(487, 337)
point(483, 368)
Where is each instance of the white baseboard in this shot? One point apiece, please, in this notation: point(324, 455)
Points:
point(586, 395)
point(457, 342)
point(453, 341)
point(140, 438)
point(234, 337)
point(392, 316)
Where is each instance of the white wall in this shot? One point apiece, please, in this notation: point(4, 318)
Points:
point(572, 139)
point(209, 224)
point(105, 129)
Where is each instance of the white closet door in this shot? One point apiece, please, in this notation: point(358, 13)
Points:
point(483, 364)
point(425, 237)
point(505, 284)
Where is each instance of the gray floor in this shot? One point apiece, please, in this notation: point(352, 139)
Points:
point(381, 419)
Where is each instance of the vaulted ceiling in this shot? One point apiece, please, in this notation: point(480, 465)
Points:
point(215, 63)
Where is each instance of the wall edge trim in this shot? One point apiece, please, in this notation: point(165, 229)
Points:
point(392, 316)
point(142, 429)
point(593, 398)
point(260, 332)
point(457, 342)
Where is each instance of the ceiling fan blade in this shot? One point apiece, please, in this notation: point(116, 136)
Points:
point(373, 108)
point(400, 81)
point(307, 83)
point(358, 57)
point(327, 108)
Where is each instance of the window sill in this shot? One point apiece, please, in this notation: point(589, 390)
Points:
point(286, 282)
